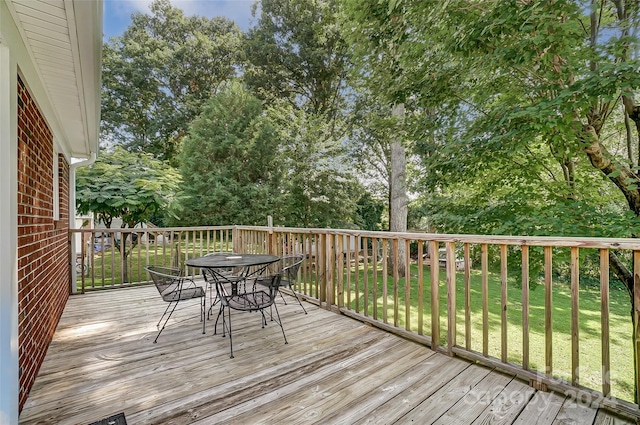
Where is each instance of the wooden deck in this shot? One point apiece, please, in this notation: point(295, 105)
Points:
point(335, 370)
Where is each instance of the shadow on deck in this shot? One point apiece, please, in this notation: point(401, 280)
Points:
point(334, 370)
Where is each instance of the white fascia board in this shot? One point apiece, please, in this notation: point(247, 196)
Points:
point(85, 30)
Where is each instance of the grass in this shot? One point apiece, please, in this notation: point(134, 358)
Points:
point(107, 273)
point(621, 348)
point(107, 266)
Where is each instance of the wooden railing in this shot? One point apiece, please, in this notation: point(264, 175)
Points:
point(546, 309)
point(114, 258)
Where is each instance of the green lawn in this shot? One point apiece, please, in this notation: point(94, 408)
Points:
point(107, 266)
point(621, 350)
point(590, 353)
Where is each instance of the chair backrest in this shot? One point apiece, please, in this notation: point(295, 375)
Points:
point(251, 297)
point(290, 266)
point(166, 279)
point(272, 282)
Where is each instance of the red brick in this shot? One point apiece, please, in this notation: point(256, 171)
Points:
point(43, 277)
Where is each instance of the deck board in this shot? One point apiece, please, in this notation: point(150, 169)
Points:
point(334, 369)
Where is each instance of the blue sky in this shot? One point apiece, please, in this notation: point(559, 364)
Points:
point(117, 13)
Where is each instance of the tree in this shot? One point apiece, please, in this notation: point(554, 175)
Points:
point(228, 163)
point(296, 52)
point(158, 75)
point(533, 94)
point(317, 183)
point(377, 31)
point(128, 186)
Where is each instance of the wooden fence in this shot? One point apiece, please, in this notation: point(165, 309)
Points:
point(513, 303)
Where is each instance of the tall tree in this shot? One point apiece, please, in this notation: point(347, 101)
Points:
point(318, 186)
point(158, 75)
point(228, 163)
point(296, 52)
point(377, 31)
point(297, 61)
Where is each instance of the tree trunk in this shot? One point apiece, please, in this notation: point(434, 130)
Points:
point(398, 193)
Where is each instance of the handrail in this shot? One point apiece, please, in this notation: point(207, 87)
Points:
point(463, 295)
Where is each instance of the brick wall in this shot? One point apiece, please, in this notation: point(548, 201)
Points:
point(43, 272)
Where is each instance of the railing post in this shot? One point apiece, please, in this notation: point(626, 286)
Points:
point(270, 241)
point(330, 265)
point(236, 240)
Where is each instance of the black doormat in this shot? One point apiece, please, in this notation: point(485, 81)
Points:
point(112, 420)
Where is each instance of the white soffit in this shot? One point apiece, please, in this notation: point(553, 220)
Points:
point(64, 40)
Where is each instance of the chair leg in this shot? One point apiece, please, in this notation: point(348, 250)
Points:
point(298, 299)
point(213, 300)
point(168, 317)
point(220, 312)
point(203, 312)
point(163, 314)
point(230, 337)
point(279, 321)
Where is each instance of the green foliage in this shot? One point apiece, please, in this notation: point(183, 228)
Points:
point(124, 185)
point(228, 163)
point(369, 213)
point(501, 94)
point(158, 75)
point(296, 52)
point(317, 185)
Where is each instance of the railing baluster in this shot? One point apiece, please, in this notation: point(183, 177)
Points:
point(420, 288)
point(485, 298)
point(575, 315)
point(525, 307)
point(407, 284)
point(435, 296)
point(339, 264)
point(503, 302)
point(365, 277)
point(636, 318)
point(467, 296)
point(374, 245)
point(349, 252)
point(396, 278)
point(385, 279)
point(451, 296)
point(548, 310)
point(113, 259)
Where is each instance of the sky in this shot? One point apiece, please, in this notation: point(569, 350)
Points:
point(117, 13)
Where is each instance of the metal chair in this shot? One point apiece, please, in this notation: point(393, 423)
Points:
point(173, 288)
point(290, 265)
point(229, 272)
point(249, 298)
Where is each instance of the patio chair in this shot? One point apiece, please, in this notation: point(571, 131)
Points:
point(173, 288)
point(249, 298)
point(211, 279)
point(289, 266)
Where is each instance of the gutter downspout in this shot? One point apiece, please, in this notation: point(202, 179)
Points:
point(73, 283)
